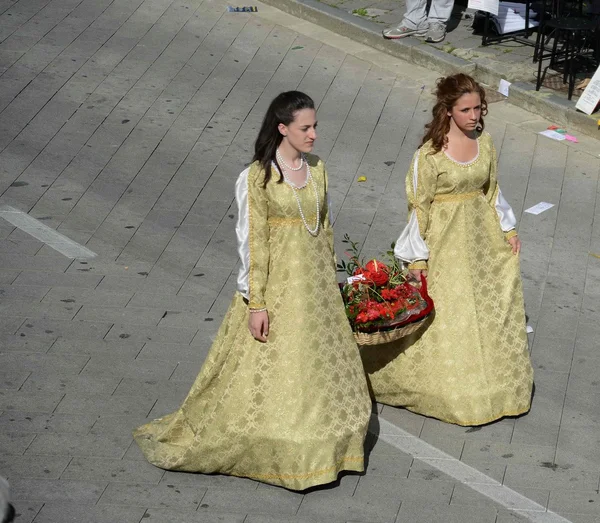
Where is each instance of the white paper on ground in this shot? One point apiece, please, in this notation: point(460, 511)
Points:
point(540, 207)
point(503, 87)
point(553, 134)
point(529, 329)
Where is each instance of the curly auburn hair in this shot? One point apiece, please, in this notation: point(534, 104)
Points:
point(448, 91)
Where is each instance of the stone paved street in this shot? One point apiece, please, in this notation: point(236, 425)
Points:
point(123, 126)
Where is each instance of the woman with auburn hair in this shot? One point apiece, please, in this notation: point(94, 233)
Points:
point(471, 365)
point(282, 396)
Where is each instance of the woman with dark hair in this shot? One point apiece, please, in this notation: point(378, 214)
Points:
point(282, 396)
point(471, 365)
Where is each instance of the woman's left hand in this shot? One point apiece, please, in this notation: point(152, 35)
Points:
point(515, 244)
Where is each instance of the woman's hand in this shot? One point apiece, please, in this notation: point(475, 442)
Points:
point(515, 244)
point(416, 273)
point(258, 323)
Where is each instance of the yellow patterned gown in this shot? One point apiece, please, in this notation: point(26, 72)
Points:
point(293, 411)
point(471, 365)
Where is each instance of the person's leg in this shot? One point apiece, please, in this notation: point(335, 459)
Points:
point(439, 14)
point(414, 22)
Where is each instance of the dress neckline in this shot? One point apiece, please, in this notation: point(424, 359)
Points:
point(468, 162)
point(289, 182)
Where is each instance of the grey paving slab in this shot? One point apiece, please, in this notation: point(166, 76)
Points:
point(30, 401)
point(10, 325)
point(169, 303)
point(8, 276)
point(108, 365)
point(107, 424)
point(480, 452)
point(14, 343)
point(577, 447)
point(451, 446)
point(545, 414)
point(12, 380)
point(57, 279)
point(56, 491)
point(411, 512)
point(209, 481)
point(576, 502)
point(31, 247)
point(258, 501)
point(185, 372)
point(132, 315)
point(21, 262)
point(119, 349)
point(156, 334)
point(44, 311)
point(74, 403)
point(505, 516)
point(179, 516)
point(429, 471)
point(389, 491)
point(501, 432)
point(152, 496)
point(29, 293)
point(55, 512)
point(51, 329)
point(141, 284)
point(27, 511)
point(166, 404)
point(113, 470)
point(16, 443)
point(42, 467)
point(398, 465)
point(550, 476)
point(344, 506)
point(90, 297)
point(279, 519)
point(40, 382)
point(149, 387)
point(463, 495)
point(67, 365)
point(30, 422)
point(79, 445)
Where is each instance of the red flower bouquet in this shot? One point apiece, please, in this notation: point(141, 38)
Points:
point(382, 302)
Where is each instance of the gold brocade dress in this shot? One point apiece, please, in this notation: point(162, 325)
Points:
point(470, 365)
point(293, 411)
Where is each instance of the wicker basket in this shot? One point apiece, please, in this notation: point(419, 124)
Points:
point(379, 337)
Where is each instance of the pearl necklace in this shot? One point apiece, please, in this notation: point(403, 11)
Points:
point(283, 164)
point(313, 231)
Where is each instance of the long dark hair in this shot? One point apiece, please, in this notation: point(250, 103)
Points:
point(448, 91)
point(281, 110)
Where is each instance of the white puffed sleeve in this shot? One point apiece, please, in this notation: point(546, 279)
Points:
point(508, 221)
point(421, 182)
point(506, 216)
point(242, 231)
